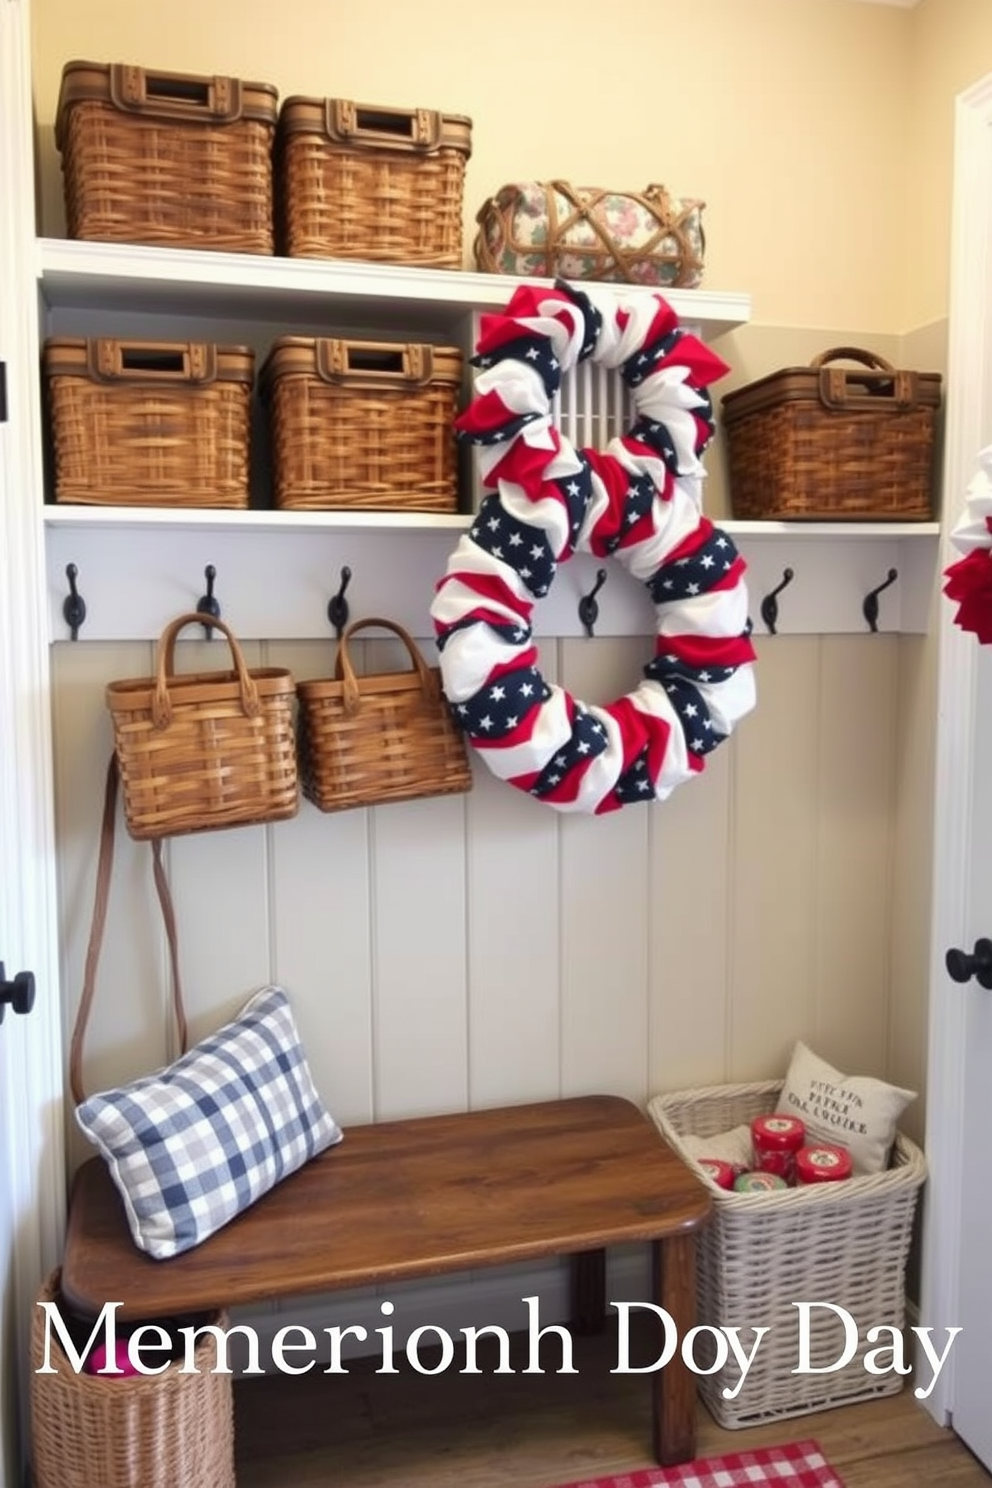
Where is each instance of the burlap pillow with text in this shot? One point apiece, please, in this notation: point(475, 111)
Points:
point(853, 1111)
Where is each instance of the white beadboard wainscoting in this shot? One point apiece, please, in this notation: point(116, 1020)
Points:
point(481, 949)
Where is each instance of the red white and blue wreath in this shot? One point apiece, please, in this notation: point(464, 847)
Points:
point(637, 502)
point(969, 580)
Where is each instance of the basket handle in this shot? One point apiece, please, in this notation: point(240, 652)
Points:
point(849, 389)
point(382, 364)
point(175, 95)
point(111, 360)
point(417, 130)
point(345, 671)
point(165, 664)
point(853, 354)
point(101, 896)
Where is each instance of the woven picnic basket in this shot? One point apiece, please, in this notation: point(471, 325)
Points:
point(362, 424)
point(166, 158)
point(832, 442)
point(202, 750)
point(167, 1430)
point(358, 180)
point(389, 736)
point(149, 423)
point(843, 1243)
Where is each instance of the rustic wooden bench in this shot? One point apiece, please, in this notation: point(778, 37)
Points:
point(419, 1198)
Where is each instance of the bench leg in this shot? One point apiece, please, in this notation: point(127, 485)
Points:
point(588, 1312)
point(674, 1412)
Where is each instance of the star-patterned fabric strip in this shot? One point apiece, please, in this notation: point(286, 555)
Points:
point(634, 501)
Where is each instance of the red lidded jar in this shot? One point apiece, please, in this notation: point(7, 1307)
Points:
point(822, 1164)
point(776, 1140)
point(722, 1173)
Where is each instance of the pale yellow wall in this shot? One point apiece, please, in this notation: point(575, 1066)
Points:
point(789, 117)
point(951, 49)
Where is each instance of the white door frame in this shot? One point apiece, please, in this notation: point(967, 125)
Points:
point(967, 429)
point(32, 1153)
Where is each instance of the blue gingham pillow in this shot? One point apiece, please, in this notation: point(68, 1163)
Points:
point(192, 1145)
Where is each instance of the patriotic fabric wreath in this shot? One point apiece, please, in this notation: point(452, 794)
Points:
point(636, 501)
point(969, 581)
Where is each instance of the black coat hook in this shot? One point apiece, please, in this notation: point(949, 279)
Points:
point(588, 608)
point(870, 606)
point(769, 605)
point(207, 604)
point(337, 609)
point(74, 608)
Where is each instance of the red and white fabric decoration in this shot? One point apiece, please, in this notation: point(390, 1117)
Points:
point(637, 502)
point(969, 581)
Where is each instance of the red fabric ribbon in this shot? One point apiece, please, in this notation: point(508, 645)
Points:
point(969, 585)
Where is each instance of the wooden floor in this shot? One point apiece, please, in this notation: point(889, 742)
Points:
point(366, 1430)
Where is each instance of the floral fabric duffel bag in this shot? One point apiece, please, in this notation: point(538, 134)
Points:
point(554, 229)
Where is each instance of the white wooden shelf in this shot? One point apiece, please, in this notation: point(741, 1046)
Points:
point(276, 570)
point(76, 275)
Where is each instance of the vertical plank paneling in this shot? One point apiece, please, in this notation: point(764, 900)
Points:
point(514, 913)
point(906, 1061)
point(320, 891)
point(775, 765)
point(604, 908)
point(690, 853)
point(419, 957)
point(513, 917)
point(419, 1011)
point(850, 969)
point(477, 949)
point(219, 885)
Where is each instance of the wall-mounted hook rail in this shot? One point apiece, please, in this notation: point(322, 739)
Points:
point(588, 608)
point(870, 606)
point(337, 608)
point(74, 608)
point(207, 604)
point(769, 605)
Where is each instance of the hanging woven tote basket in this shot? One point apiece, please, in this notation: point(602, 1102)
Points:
point(383, 737)
point(202, 750)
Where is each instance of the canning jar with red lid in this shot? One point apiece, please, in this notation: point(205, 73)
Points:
point(776, 1140)
point(722, 1173)
point(823, 1163)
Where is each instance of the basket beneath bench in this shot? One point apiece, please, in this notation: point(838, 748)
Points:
point(169, 1429)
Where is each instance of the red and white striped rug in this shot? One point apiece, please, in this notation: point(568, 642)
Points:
point(796, 1465)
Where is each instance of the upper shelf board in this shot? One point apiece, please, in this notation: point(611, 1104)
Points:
point(84, 275)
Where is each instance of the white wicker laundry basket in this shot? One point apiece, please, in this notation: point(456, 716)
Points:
point(844, 1243)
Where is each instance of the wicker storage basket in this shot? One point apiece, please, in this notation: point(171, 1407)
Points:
point(362, 424)
point(204, 749)
point(833, 443)
point(844, 1243)
point(355, 180)
point(168, 1430)
point(387, 737)
point(149, 423)
point(166, 158)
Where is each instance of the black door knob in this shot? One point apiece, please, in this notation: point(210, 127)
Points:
point(19, 993)
point(963, 967)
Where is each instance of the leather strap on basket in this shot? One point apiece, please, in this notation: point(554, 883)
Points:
point(869, 391)
point(351, 692)
point(100, 901)
point(654, 202)
point(165, 668)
